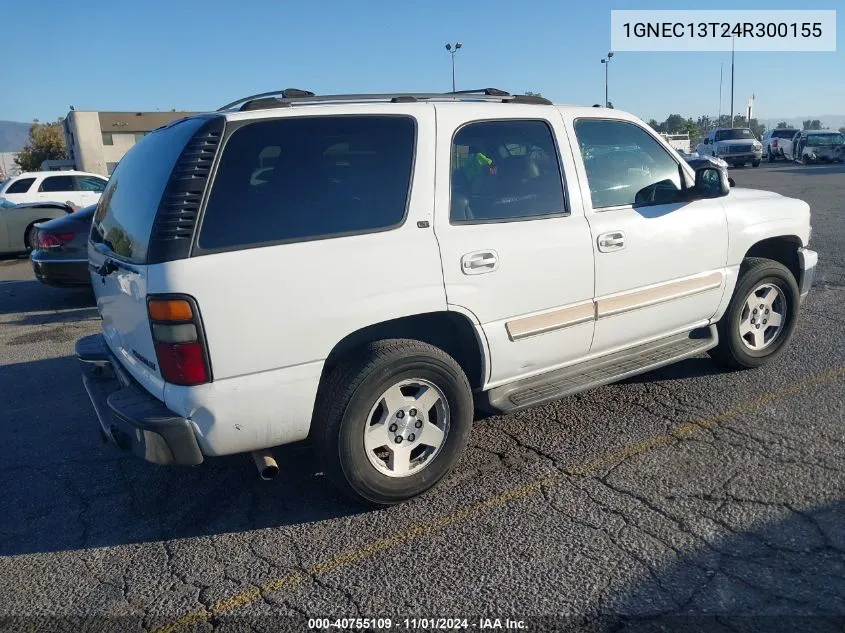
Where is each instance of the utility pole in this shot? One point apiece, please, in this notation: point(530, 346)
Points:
point(452, 50)
point(732, 81)
point(721, 69)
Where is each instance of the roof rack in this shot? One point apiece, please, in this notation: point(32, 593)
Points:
point(294, 96)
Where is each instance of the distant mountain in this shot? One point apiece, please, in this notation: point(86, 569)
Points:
point(13, 135)
point(832, 121)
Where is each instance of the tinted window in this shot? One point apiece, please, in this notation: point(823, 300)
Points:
point(304, 177)
point(626, 165)
point(56, 183)
point(128, 206)
point(108, 139)
point(505, 170)
point(783, 133)
point(20, 186)
point(90, 183)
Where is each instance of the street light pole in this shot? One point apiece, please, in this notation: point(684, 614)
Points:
point(732, 81)
point(606, 62)
point(452, 51)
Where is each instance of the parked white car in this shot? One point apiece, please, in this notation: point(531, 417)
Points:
point(407, 259)
point(77, 187)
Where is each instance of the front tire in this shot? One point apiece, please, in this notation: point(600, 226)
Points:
point(755, 163)
point(761, 316)
point(391, 420)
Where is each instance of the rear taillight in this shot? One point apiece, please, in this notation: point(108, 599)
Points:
point(775, 143)
point(179, 339)
point(53, 240)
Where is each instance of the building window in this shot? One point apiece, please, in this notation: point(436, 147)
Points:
point(107, 138)
point(110, 167)
point(140, 135)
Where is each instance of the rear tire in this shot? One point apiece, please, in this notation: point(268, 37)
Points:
point(748, 334)
point(755, 163)
point(769, 156)
point(30, 236)
point(391, 420)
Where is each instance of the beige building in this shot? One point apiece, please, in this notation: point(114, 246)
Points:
point(96, 141)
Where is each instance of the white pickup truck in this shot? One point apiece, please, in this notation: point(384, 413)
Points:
point(736, 146)
point(775, 141)
point(405, 259)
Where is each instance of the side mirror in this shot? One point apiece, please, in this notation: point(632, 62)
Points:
point(731, 182)
point(712, 182)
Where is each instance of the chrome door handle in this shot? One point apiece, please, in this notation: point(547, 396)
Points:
point(479, 262)
point(613, 241)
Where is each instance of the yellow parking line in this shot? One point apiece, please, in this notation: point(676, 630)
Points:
point(342, 560)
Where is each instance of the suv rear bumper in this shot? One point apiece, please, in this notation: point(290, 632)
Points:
point(130, 417)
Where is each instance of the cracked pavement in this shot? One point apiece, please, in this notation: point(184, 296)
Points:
point(689, 497)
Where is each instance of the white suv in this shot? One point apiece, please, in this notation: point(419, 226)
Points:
point(77, 187)
point(363, 271)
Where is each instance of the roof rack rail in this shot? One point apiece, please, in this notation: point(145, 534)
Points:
point(286, 93)
point(293, 96)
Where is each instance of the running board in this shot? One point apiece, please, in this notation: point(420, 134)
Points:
point(560, 383)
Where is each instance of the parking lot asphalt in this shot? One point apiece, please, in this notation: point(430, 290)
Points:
point(688, 497)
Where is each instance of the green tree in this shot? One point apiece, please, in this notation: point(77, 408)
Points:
point(842, 130)
point(782, 125)
point(813, 124)
point(695, 133)
point(46, 142)
point(610, 104)
point(654, 124)
point(674, 124)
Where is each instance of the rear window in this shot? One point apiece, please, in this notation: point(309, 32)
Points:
point(128, 206)
point(90, 183)
point(304, 178)
point(20, 186)
point(783, 133)
point(825, 139)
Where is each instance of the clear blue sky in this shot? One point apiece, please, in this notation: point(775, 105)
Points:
point(194, 55)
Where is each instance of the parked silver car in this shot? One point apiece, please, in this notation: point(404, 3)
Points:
point(17, 223)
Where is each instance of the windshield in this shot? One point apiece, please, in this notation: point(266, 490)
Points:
point(825, 139)
point(733, 135)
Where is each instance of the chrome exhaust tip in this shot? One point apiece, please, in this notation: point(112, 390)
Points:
point(266, 464)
